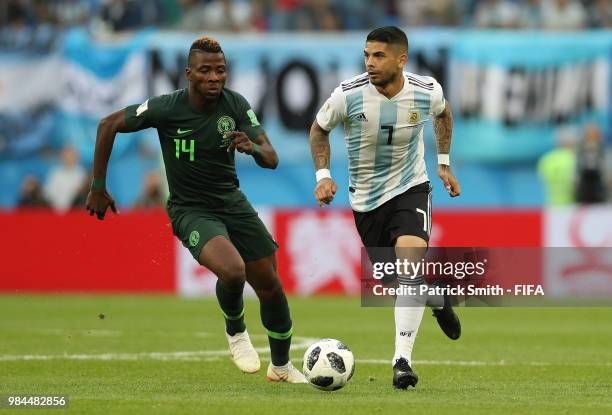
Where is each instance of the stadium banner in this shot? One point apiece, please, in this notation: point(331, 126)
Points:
point(75, 253)
point(97, 79)
point(320, 251)
point(27, 102)
point(585, 270)
point(135, 252)
point(509, 91)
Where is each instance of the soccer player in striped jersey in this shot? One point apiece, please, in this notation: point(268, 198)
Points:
point(384, 112)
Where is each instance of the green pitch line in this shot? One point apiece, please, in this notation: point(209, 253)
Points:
point(167, 355)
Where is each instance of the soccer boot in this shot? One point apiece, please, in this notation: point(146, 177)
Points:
point(447, 318)
point(403, 376)
point(243, 353)
point(286, 373)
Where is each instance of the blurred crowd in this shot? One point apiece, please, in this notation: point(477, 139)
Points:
point(578, 170)
point(67, 184)
point(37, 21)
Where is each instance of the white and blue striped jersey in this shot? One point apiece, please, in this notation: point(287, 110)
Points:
point(384, 137)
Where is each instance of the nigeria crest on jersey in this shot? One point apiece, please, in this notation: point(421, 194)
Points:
point(225, 124)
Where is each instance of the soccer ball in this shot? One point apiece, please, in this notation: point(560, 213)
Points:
point(328, 364)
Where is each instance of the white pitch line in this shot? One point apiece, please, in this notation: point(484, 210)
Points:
point(214, 355)
point(300, 343)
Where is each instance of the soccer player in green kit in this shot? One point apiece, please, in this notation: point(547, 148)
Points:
point(199, 128)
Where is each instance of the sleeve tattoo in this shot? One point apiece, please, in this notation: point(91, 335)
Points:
point(443, 129)
point(319, 147)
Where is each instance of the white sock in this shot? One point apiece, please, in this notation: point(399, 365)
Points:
point(408, 314)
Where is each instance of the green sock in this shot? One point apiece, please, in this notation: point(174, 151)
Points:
point(276, 318)
point(232, 307)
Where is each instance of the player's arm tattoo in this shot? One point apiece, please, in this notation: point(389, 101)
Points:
point(319, 146)
point(264, 154)
point(443, 129)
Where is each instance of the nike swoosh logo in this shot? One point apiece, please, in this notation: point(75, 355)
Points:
point(179, 131)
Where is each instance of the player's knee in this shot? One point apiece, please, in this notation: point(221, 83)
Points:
point(233, 274)
point(269, 291)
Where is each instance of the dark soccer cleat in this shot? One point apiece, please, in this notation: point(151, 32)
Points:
point(448, 319)
point(403, 376)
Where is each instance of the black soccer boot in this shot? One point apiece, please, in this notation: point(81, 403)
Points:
point(403, 376)
point(447, 318)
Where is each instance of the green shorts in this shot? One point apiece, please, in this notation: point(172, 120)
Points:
point(237, 221)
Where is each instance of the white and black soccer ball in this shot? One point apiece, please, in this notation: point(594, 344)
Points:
point(328, 364)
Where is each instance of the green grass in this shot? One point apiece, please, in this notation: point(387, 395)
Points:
point(536, 361)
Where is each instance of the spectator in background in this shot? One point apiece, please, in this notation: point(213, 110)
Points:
point(65, 180)
point(496, 14)
point(530, 16)
point(122, 15)
point(429, 13)
point(151, 196)
point(318, 15)
point(31, 195)
point(284, 14)
point(600, 14)
point(557, 170)
point(591, 162)
point(79, 200)
point(563, 15)
point(216, 15)
point(69, 13)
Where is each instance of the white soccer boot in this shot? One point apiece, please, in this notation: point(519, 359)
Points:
point(286, 373)
point(243, 353)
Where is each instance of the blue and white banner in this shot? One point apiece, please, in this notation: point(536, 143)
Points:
point(509, 90)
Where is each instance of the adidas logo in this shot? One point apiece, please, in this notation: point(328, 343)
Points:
point(361, 117)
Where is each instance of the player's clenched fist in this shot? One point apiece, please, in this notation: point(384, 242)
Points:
point(240, 142)
point(451, 184)
point(325, 191)
point(98, 201)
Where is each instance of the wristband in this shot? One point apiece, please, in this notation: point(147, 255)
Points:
point(444, 159)
point(323, 174)
point(256, 148)
point(98, 183)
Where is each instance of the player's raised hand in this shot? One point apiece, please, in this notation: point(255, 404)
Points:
point(98, 201)
point(240, 142)
point(324, 191)
point(451, 184)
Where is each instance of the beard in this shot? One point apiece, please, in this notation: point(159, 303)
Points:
point(383, 82)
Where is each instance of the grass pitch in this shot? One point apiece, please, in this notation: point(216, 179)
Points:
point(150, 355)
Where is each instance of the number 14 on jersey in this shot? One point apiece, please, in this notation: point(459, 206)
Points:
point(181, 147)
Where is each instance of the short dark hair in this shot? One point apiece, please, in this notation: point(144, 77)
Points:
point(204, 44)
point(392, 35)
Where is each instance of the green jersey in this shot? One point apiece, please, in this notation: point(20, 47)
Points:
point(200, 170)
